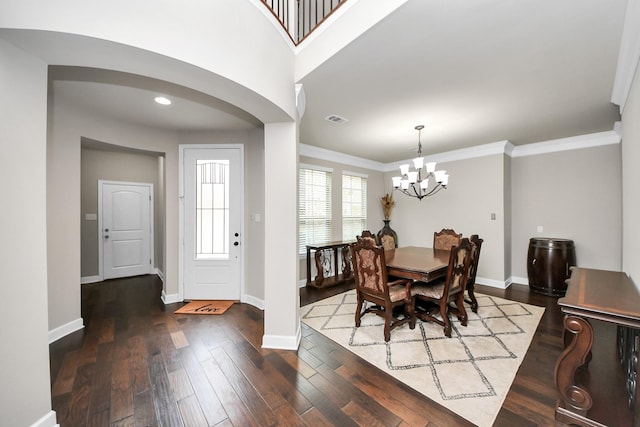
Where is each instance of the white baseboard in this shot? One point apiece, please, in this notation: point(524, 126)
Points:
point(169, 298)
point(493, 283)
point(160, 274)
point(64, 330)
point(90, 279)
point(282, 342)
point(49, 420)
point(256, 302)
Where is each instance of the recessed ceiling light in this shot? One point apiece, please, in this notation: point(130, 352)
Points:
point(162, 100)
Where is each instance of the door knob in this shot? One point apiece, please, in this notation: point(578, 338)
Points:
point(235, 243)
point(106, 237)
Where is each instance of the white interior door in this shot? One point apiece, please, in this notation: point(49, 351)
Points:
point(212, 223)
point(126, 229)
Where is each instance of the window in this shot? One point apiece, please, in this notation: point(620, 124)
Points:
point(314, 213)
point(354, 205)
point(212, 209)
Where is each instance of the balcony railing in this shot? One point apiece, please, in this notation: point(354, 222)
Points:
point(300, 17)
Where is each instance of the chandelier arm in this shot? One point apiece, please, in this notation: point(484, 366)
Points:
point(417, 193)
point(435, 190)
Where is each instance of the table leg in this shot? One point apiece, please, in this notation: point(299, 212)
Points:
point(308, 266)
point(346, 262)
point(575, 400)
point(319, 257)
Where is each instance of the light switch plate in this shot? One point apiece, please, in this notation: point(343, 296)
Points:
point(90, 217)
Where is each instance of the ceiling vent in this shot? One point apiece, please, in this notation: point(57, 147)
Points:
point(333, 118)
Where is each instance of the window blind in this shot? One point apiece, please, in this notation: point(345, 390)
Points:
point(354, 206)
point(314, 211)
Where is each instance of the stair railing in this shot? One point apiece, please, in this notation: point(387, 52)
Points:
point(300, 17)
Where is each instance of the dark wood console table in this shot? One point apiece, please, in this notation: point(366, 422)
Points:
point(324, 264)
point(609, 296)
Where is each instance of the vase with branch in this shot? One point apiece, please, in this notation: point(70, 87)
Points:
point(386, 234)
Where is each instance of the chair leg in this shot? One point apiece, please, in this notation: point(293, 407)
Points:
point(358, 311)
point(410, 310)
point(387, 323)
point(472, 297)
point(462, 312)
point(445, 319)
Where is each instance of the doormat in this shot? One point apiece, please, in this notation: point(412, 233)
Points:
point(204, 307)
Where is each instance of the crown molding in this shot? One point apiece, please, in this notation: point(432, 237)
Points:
point(503, 147)
point(335, 156)
point(565, 144)
point(629, 55)
point(462, 154)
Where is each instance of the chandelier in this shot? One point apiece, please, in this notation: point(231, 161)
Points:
point(415, 183)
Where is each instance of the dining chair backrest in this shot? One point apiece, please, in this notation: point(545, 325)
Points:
point(388, 242)
point(369, 268)
point(367, 235)
point(476, 245)
point(446, 239)
point(458, 269)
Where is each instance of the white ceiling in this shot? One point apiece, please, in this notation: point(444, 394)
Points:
point(471, 72)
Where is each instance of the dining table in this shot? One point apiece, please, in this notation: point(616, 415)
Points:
point(417, 263)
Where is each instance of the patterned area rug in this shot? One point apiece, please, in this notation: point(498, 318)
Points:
point(469, 373)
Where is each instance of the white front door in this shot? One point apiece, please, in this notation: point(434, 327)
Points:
point(126, 228)
point(212, 215)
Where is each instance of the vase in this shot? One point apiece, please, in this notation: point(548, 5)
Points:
point(387, 231)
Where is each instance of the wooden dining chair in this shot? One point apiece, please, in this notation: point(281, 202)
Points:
point(373, 285)
point(446, 238)
point(476, 245)
point(440, 294)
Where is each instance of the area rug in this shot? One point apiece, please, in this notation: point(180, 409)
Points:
point(204, 307)
point(469, 373)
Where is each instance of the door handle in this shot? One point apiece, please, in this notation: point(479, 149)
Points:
point(106, 237)
point(236, 243)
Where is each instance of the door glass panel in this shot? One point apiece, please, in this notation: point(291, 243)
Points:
point(212, 209)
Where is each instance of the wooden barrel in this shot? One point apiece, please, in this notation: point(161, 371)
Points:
point(548, 263)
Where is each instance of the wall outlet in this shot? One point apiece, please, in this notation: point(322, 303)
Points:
point(540, 229)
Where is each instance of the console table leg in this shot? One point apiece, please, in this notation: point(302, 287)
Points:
point(576, 400)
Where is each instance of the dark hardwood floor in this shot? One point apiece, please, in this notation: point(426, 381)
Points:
point(137, 364)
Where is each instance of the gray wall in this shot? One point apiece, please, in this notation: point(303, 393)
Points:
point(631, 182)
point(108, 164)
point(572, 194)
point(24, 360)
point(476, 190)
